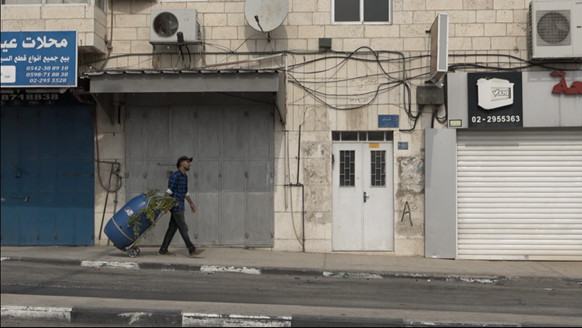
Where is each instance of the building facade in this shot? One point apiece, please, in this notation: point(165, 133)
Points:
point(310, 123)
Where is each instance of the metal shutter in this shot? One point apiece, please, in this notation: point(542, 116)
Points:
point(519, 194)
point(231, 177)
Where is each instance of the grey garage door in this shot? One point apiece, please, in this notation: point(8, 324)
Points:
point(231, 177)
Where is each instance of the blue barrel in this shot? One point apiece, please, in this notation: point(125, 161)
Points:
point(117, 229)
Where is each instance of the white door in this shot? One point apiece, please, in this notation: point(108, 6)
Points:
point(362, 197)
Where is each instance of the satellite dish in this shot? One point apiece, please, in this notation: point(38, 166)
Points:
point(266, 15)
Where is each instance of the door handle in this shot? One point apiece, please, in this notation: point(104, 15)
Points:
point(366, 196)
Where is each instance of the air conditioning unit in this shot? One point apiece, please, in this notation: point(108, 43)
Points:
point(174, 26)
point(555, 29)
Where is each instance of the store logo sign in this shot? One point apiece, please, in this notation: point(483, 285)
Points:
point(562, 87)
point(494, 93)
point(495, 100)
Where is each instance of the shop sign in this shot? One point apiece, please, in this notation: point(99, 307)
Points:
point(39, 97)
point(495, 100)
point(562, 87)
point(39, 59)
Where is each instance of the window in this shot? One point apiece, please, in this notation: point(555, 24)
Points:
point(362, 135)
point(362, 11)
point(347, 172)
point(378, 168)
point(96, 3)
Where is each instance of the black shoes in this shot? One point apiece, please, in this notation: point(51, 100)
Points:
point(195, 252)
point(192, 253)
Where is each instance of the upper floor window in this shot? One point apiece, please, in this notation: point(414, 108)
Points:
point(96, 3)
point(362, 11)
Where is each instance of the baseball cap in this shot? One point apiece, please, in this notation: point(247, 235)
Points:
point(183, 158)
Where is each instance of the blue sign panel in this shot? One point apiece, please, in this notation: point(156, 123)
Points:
point(39, 59)
point(388, 121)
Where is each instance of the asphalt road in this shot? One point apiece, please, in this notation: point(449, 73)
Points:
point(535, 297)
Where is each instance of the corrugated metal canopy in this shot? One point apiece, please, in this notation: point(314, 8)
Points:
point(190, 81)
point(155, 81)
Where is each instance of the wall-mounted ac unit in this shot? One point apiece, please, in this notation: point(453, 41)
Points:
point(174, 26)
point(555, 29)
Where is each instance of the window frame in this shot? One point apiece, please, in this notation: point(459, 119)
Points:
point(102, 4)
point(361, 21)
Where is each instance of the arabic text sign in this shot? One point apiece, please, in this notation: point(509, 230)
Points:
point(39, 59)
point(562, 87)
point(388, 121)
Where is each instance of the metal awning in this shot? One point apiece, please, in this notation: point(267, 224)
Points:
point(110, 82)
point(155, 81)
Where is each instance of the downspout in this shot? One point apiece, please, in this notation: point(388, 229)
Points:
point(298, 184)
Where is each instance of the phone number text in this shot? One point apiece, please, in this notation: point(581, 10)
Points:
point(496, 119)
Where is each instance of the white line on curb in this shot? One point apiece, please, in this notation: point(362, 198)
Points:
point(233, 320)
point(135, 316)
point(215, 268)
point(361, 275)
point(99, 264)
point(36, 312)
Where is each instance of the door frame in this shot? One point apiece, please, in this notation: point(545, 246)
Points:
point(363, 236)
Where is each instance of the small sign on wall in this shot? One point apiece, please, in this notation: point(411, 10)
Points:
point(388, 121)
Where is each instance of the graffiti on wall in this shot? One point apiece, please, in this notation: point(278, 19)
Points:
point(405, 212)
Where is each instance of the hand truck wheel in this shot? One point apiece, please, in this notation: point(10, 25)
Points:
point(133, 252)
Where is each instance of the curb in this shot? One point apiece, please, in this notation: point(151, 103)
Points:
point(470, 278)
point(168, 318)
point(131, 317)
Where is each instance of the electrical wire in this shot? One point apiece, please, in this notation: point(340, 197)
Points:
point(402, 76)
point(390, 84)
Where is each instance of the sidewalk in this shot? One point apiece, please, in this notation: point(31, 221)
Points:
point(256, 261)
point(267, 261)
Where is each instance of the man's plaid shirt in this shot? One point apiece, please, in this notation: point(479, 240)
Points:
point(178, 188)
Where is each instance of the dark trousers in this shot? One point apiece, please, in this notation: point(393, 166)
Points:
point(177, 222)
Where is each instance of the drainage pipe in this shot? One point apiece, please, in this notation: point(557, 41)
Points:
point(297, 184)
point(302, 211)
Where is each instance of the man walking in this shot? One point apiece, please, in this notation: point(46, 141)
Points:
point(178, 188)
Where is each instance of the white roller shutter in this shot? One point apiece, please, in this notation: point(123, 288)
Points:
point(519, 194)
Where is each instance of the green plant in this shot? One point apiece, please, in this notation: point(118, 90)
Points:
point(157, 203)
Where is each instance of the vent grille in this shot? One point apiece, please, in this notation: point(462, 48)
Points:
point(553, 28)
